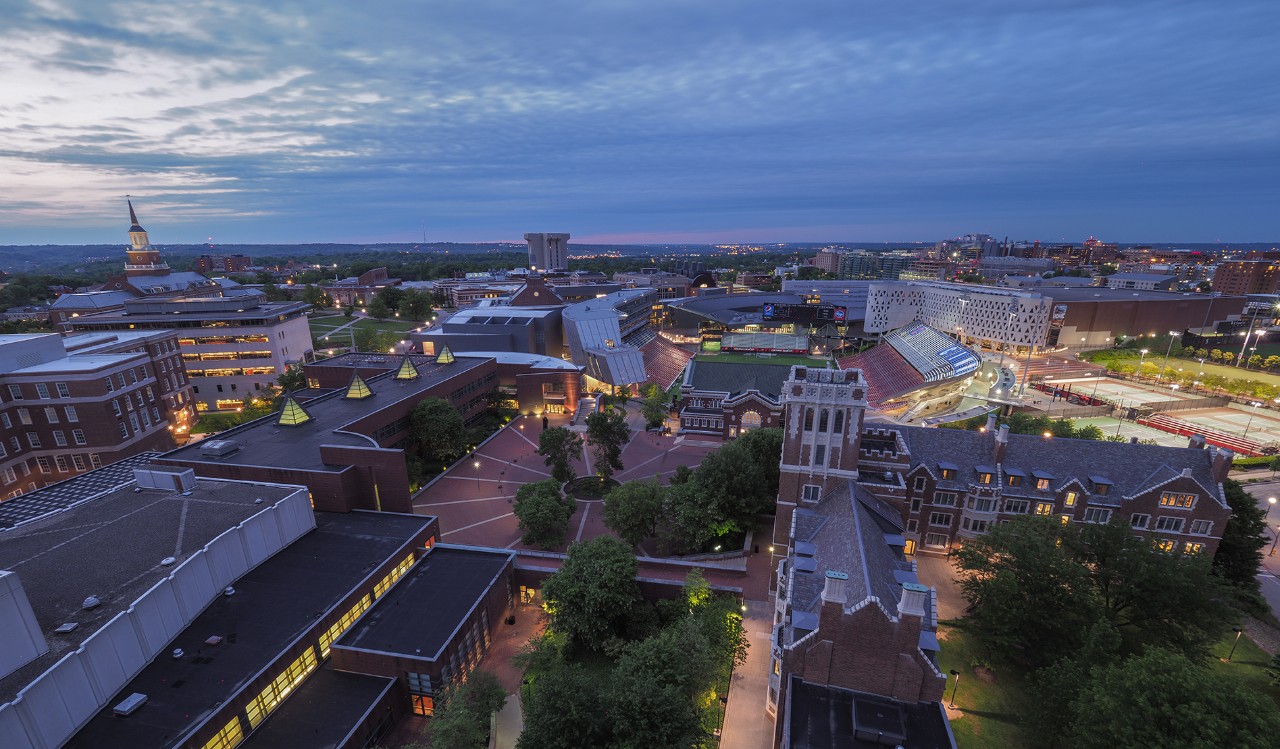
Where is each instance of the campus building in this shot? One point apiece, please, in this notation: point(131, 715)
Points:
point(726, 399)
point(990, 316)
point(70, 405)
point(235, 263)
point(1249, 276)
point(234, 348)
point(548, 251)
point(914, 370)
point(951, 485)
point(358, 291)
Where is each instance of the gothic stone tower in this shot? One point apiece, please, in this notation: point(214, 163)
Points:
point(822, 428)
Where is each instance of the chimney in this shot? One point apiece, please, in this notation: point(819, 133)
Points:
point(1222, 464)
point(1196, 442)
point(912, 601)
point(1002, 443)
point(833, 588)
point(991, 422)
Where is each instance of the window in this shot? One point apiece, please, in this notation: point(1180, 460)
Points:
point(51, 414)
point(63, 390)
point(1201, 527)
point(920, 483)
point(1101, 489)
point(59, 438)
point(133, 377)
point(268, 699)
point(944, 499)
point(935, 540)
point(1015, 480)
point(1070, 499)
point(819, 454)
point(1139, 521)
point(95, 460)
point(1192, 547)
point(1097, 515)
point(24, 416)
point(1166, 545)
point(1042, 484)
point(913, 525)
point(78, 461)
point(915, 505)
point(337, 628)
point(42, 390)
point(940, 518)
point(3, 452)
point(948, 473)
point(422, 704)
point(15, 392)
point(839, 429)
point(1169, 525)
point(133, 421)
point(1066, 519)
point(1044, 508)
point(115, 406)
point(8, 423)
point(17, 446)
point(1017, 506)
point(33, 439)
point(61, 462)
point(1175, 499)
point(419, 683)
point(124, 429)
point(229, 737)
point(808, 419)
point(120, 379)
point(26, 469)
point(984, 478)
point(43, 462)
point(10, 476)
point(72, 415)
point(982, 504)
point(111, 388)
point(811, 493)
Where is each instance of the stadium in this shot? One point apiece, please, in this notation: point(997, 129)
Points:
point(915, 370)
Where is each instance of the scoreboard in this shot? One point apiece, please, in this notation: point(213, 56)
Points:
point(805, 313)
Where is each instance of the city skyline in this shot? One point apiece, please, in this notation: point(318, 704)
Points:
point(639, 122)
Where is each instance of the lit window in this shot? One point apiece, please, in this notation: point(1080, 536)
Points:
point(1166, 545)
point(1070, 499)
point(1177, 500)
point(1044, 508)
point(1042, 484)
point(1192, 547)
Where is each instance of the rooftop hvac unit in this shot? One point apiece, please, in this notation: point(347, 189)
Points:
point(218, 448)
point(176, 480)
point(130, 704)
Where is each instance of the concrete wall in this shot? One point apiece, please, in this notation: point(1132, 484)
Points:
point(55, 705)
point(19, 630)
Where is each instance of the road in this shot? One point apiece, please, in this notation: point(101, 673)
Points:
point(1269, 572)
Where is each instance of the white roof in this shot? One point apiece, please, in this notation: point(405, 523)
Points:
point(537, 361)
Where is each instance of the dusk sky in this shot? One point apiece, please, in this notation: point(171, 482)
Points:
point(640, 121)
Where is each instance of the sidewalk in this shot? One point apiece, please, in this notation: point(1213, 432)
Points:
point(747, 724)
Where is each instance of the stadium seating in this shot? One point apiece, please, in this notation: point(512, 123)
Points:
point(888, 374)
point(664, 362)
point(1171, 425)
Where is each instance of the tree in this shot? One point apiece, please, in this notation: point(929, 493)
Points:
point(315, 296)
point(1240, 550)
point(732, 482)
point(1274, 465)
point(415, 305)
point(1090, 432)
point(633, 509)
point(765, 446)
point(1189, 351)
point(1202, 353)
point(558, 446)
point(1228, 357)
point(543, 514)
point(564, 709)
point(372, 339)
point(1162, 699)
point(654, 408)
point(378, 308)
point(653, 688)
point(438, 430)
point(292, 379)
point(1255, 361)
point(1271, 362)
point(594, 591)
point(691, 521)
point(607, 431)
point(1215, 354)
point(461, 719)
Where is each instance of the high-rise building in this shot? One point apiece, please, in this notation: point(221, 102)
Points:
point(874, 265)
point(548, 251)
point(1247, 277)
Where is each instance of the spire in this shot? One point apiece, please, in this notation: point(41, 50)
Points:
point(357, 390)
point(133, 219)
point(446, 356)
point(407, 371)
point(292, 413)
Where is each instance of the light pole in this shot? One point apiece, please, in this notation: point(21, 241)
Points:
point(1234, 642)
point(1271, 502)
point(1167, 351)
point(476, 464)
point(954, 687)
point(1142, 359)
point(1249, 423)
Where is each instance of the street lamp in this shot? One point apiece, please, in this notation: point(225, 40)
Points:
point(1235, 642)
point(1249, 423)
point(954, 687)
point(1141, 359)
point(1167, 351)
point(476, 464)
point(1271, 502)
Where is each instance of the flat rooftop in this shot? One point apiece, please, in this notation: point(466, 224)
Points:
point(25, 508)
point(191, 309)
point(823, 717)
point(320, 713)
point(111, 547)
point(1103, 294)
point(265, 443)
point(275, 603)
point(423, 610)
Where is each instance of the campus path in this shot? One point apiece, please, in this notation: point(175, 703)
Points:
point(747, 724)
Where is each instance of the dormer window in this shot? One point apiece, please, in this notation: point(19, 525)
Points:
point(1042, 484)
point(1042, 479)
point(1101, 485)
point(948, 470)
point(986, 474)
point(984, 478)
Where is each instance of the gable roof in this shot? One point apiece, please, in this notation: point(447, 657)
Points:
point(735, 379)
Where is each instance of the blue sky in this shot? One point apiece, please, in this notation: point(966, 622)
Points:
point(640, 121)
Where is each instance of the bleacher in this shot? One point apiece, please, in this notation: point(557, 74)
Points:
point(934, 355)
point(773, 343)
point(889, 375)
point(639, 337)
point(1238, 445)
point(664, 362)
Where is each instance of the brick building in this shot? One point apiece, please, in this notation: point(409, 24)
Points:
point(729, 399)
point(236, 263)
point(1249, 276)
point(74, 404)
point(359, 290)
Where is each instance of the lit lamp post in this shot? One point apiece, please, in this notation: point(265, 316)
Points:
point(476, 464)
point(1234, 642)
point(1271, 502)
point(954, 687)
point(1249, 423)
point(1141, 359)
point(1167, 351)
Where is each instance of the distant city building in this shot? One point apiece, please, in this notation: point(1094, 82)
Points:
point(668, 285)
point(233, 348)
point(77, 403)
point(998, 267)
point(1251, 276)
point(548, 251)
point(223, 263)
point(359, 291)
point(828, 261)
point(874, 265)
point(1140, 281)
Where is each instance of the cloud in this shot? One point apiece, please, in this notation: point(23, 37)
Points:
point(326, 121)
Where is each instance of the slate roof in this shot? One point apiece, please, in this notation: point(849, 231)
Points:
point(848, 531)
point(1131, 469)
point(734, 379)
point(91, 300)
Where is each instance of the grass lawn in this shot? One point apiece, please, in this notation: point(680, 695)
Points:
point(1248, 664)
point(1193, 365)
point(787, 359)
point(321, 327)
point(987, 713)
